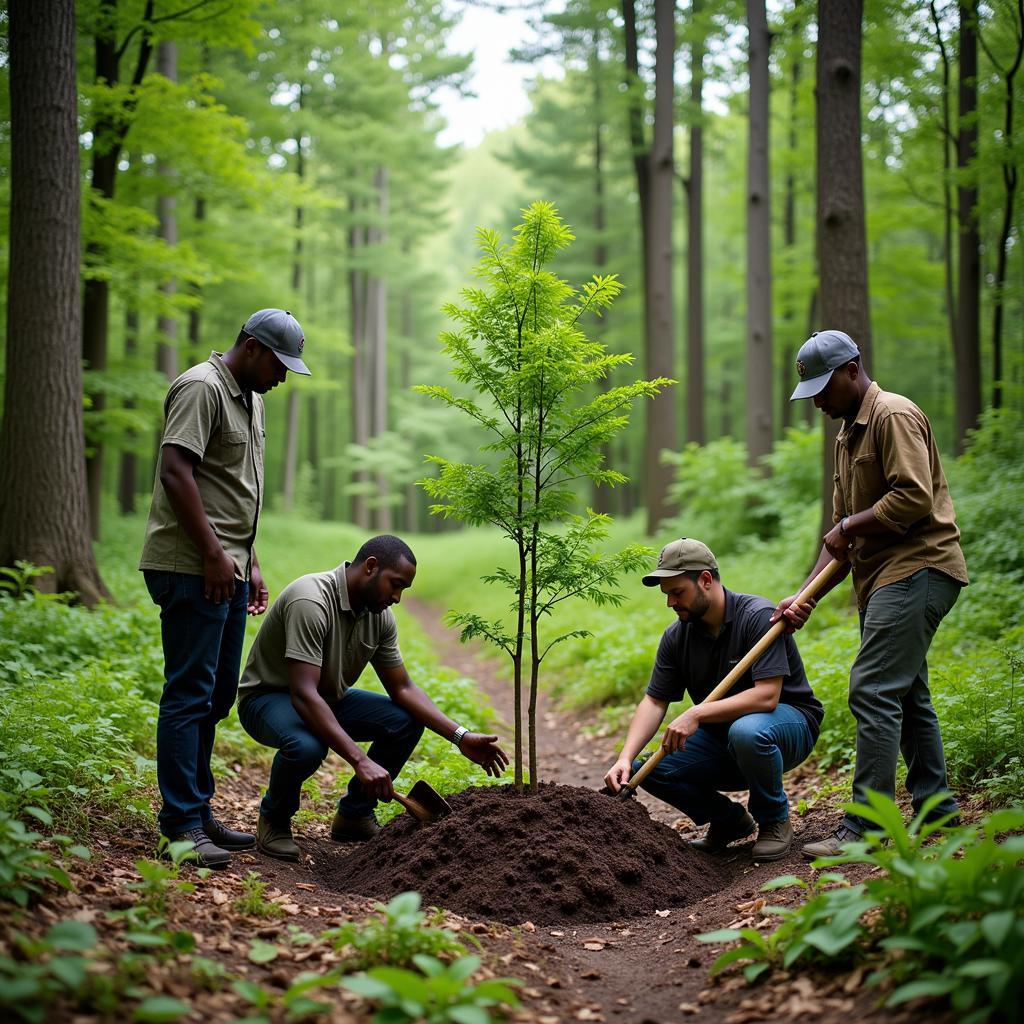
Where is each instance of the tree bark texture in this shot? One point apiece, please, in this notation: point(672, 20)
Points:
point(291, 433)
point(378, 337)
point(44, 515)
point(759, 243)
point(695, 243)
point(967, 354)
point(360, 391)
point(660, 315)
point(841, 237)
point(167, 216)
point(126, 486)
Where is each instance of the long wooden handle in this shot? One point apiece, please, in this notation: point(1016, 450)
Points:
point(811, 590)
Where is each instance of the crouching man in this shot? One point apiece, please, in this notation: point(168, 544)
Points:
point(767, 724)
point(297, 694)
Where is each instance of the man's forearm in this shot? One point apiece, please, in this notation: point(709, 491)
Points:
point(423, 709)
point(313, 710)
point(646, 720)
point(187, 505)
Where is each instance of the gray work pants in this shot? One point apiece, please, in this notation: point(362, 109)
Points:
point(889, 694)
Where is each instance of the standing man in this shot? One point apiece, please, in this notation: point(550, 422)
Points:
point(895, 525)
point(766, 725)
point(298, 694)
point(200, 565)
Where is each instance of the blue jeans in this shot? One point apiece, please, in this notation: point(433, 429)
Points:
point(755, 752)
point(271, 719)
point(889, 694)
point(202, 653)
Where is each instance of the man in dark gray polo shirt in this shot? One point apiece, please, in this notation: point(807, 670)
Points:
point(298, 694)
point(766, 725)
point(200, 565)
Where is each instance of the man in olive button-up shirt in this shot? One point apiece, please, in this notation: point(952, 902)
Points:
point(895, 526)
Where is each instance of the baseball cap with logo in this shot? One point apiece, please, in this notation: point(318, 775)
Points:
point(683, 555)
point(819, 357)
point(281, 333)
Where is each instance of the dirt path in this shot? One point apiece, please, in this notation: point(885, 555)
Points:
point(653, 970)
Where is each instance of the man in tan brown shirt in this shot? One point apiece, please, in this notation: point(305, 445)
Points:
point(895, 526)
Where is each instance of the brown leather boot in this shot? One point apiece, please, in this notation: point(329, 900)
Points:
point(353, 830)
point(276, 840)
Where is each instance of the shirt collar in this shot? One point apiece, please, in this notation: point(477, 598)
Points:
point(867, 403)
point(341, 587)
point(730, 606)
point(229, 378)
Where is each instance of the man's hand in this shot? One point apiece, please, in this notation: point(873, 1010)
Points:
point(376, 781)
point(795, 615)
point(680, 730)
point(837, 543)
point(484, 751)
point(259, 596)
point(618, 775)
point(219, 574)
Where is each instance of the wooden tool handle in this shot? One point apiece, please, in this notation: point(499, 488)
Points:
point(811, 590)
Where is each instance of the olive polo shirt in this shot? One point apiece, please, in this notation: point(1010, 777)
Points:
point(887, 460)
point(312, 621)
point(206, 413)
point(692, 660)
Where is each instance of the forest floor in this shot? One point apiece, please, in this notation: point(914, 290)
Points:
point(635, 970)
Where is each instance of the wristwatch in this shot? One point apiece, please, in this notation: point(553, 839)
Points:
point(842, 527)
point(459, 734)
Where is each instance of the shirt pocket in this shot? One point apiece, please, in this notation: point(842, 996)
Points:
point(867, 481)
point(233, 445)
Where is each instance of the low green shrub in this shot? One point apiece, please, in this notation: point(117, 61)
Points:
point(941, 914)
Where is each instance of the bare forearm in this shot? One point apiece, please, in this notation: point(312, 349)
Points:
point(423, 709)
point(646, 720)
point(187, 504)
point(313, 710)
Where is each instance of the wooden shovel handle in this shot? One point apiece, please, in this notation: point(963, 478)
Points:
point(811, 590)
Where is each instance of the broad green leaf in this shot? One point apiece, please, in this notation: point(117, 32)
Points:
point(932, 986)
point(157, 1009)
point(261, 952)
point(76, 936)
point(997, 926)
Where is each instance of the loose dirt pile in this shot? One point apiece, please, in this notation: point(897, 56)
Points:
point(561, 855)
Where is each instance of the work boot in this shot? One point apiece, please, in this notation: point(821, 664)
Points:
point(353, 830)
point(719, 836)
point(228, 838)
point(773, 841)
point(276, 840)
point(830, 847)
point(205, 852)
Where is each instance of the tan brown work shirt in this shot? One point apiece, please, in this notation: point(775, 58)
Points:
point(312, 621)
point(206, 413)
point(886, 460)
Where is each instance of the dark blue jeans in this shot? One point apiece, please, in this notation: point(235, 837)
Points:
point(271, 719)
point(754, 753)
point(889, 694)
point(202, 655)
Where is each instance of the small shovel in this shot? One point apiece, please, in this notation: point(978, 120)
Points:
point(629, 789)
point(424, 802)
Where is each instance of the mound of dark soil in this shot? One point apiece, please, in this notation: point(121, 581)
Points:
point(561, 855)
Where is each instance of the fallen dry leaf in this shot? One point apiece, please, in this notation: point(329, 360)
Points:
point(528, 926)
point(689, 1008)
point(595, 946)
point(559, 935)
point(590, 975)
point(662, 913)
point(308, 886)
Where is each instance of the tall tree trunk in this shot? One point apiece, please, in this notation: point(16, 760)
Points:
point(108, 132)
point(291, 433)
point(127, 483)
point(967, 355)
point(1010, 190)
point(360, 393)
point(412, 492)
point(841, 238)
point(789, 230)
point(195, 314)
point(44, 513)
point(695, 239)
point(166, 205)
point(659, 309)
point(378, 319)
point(759, 244)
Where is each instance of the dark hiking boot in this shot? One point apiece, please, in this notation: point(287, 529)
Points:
point(353, 830)
point(228, 838)
point(718, 837)
point(773, 841)
point(205, 852)
point(832, 846)
point(276, 840)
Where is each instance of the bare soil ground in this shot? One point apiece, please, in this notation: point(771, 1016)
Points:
point(636, 968)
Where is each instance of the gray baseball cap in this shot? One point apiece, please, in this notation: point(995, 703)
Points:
point(683, 555)
point(819, 357)
point(282, 334)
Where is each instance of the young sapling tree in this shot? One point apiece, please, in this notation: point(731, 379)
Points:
point(519, 348)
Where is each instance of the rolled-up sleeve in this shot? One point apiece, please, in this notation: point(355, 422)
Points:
point(905, 456)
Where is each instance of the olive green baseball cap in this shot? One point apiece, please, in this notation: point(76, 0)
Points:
point(819, 357)
point(683, 555)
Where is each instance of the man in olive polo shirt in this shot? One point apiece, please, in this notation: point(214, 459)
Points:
point(200, 565)
point(895, 526)
point(298, 694)
point(767, 724)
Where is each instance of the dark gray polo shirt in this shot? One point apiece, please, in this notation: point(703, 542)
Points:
point(691, 660)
